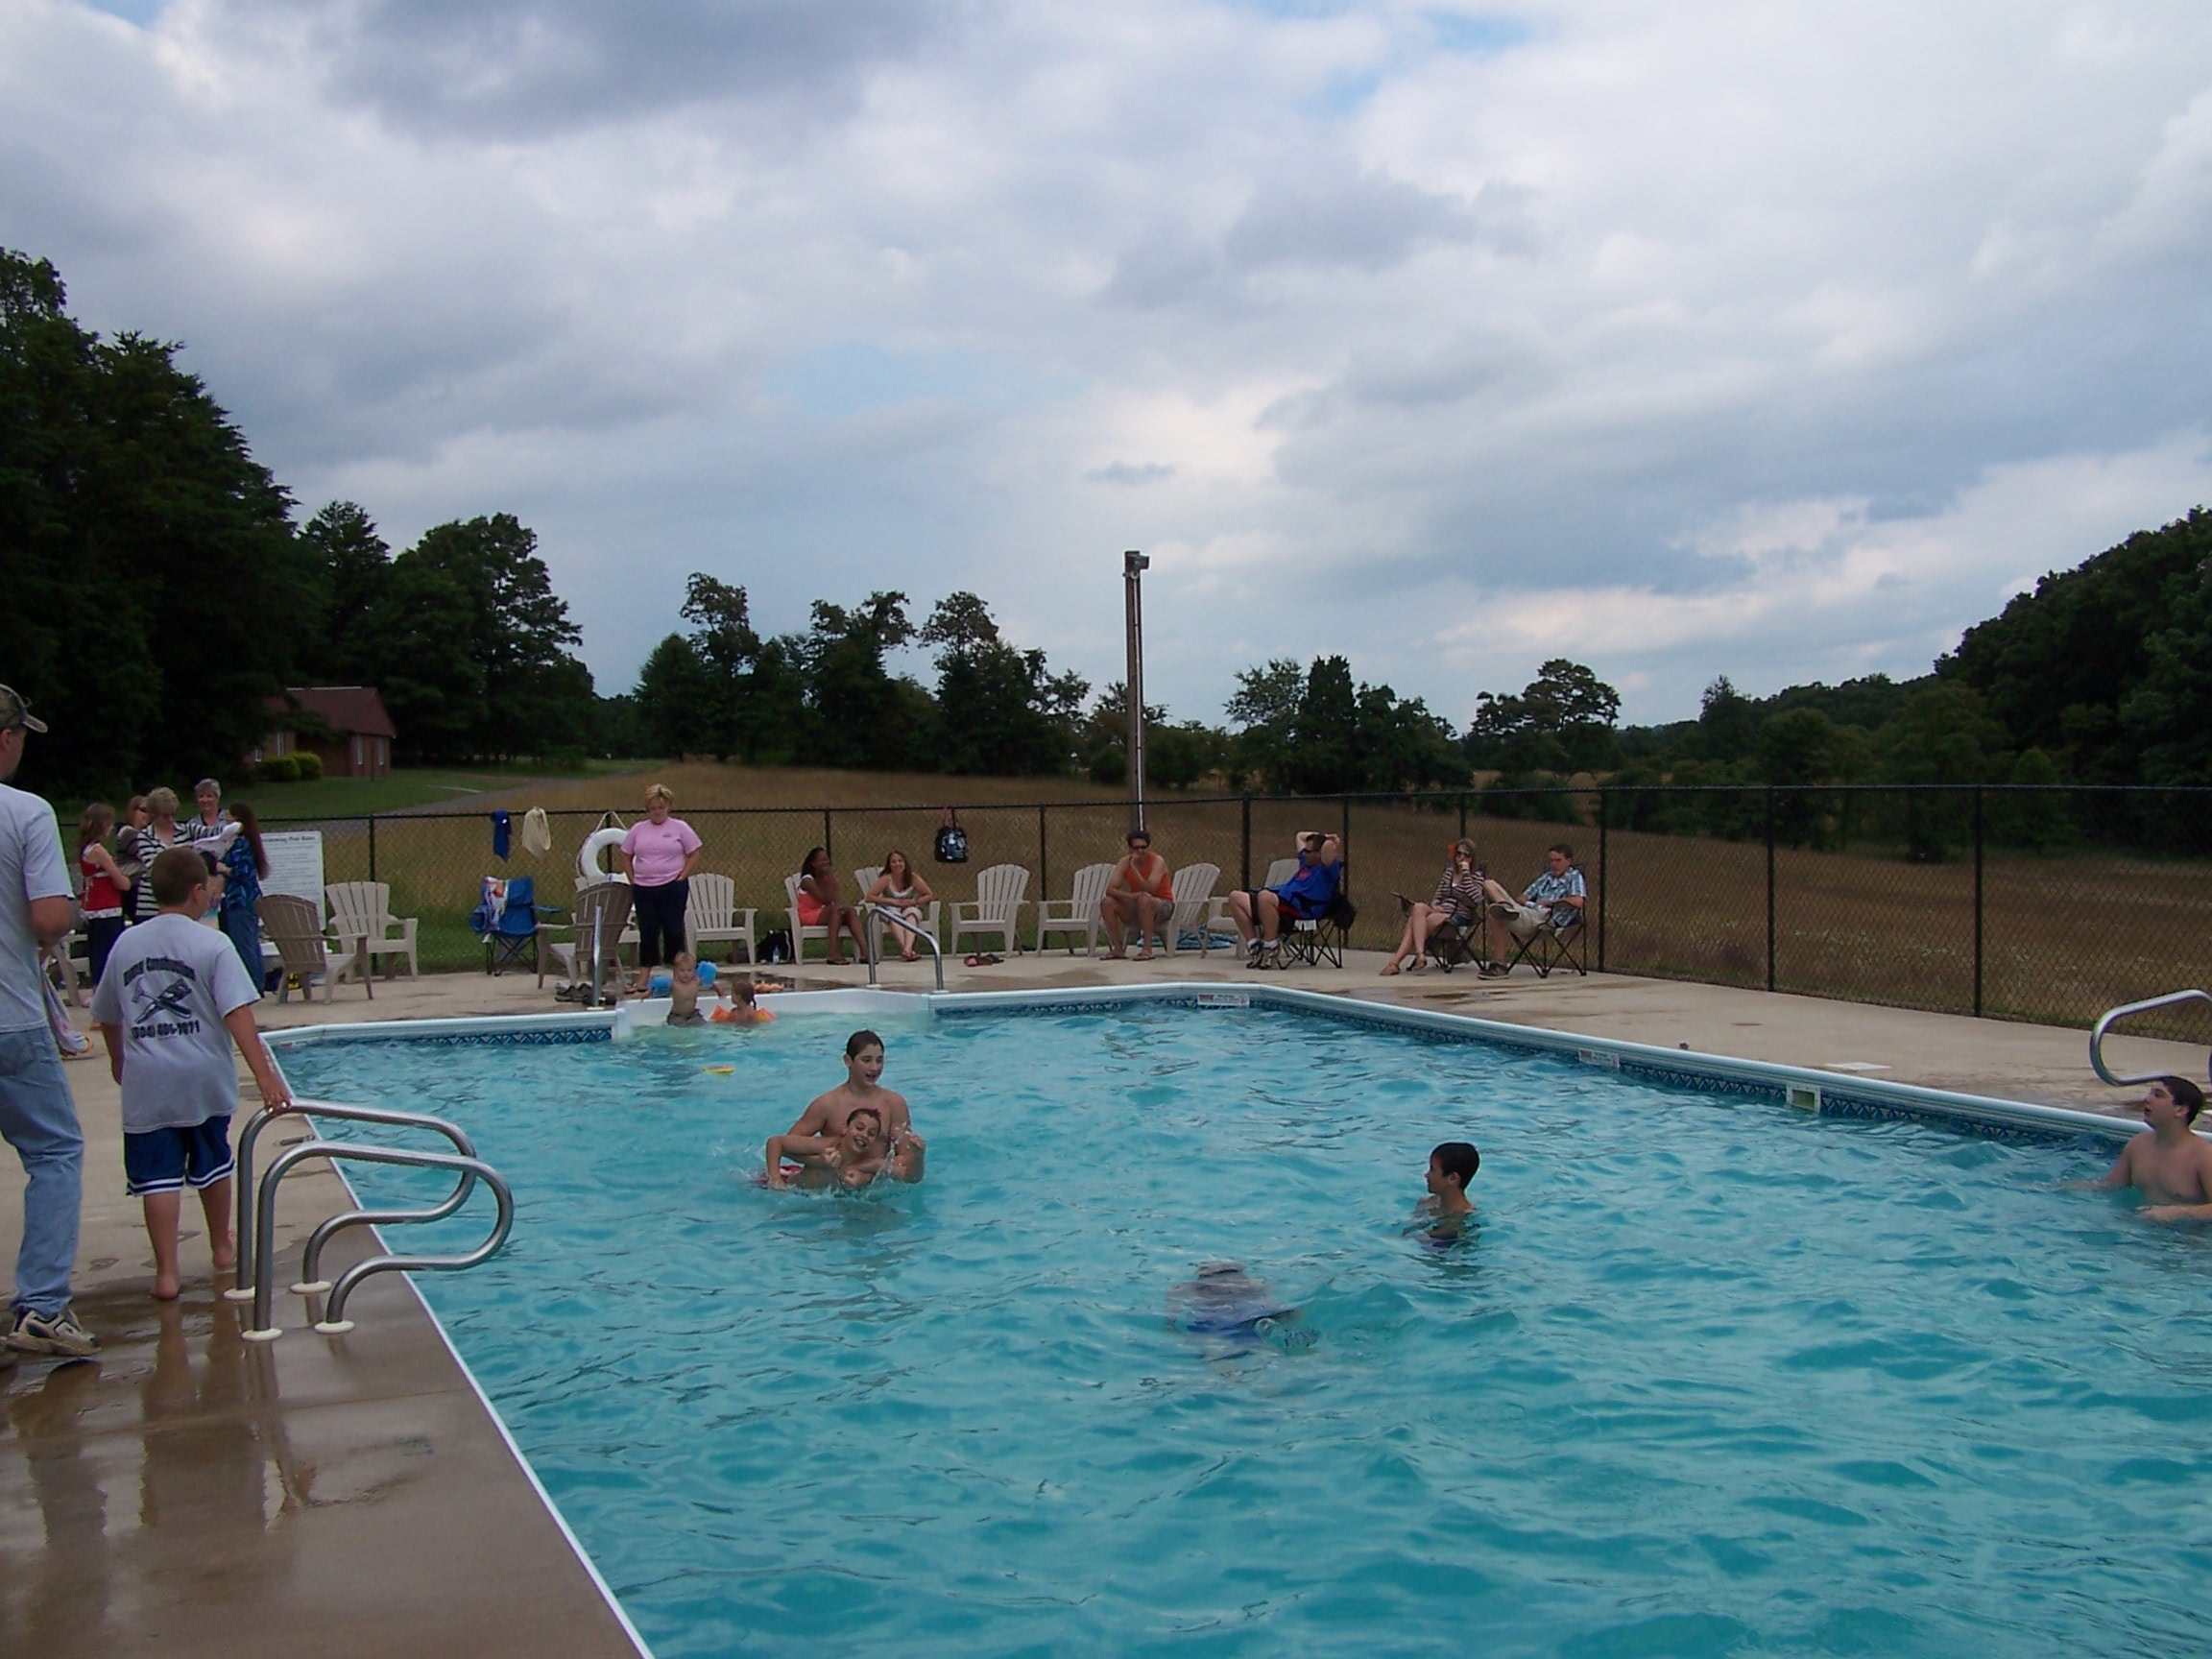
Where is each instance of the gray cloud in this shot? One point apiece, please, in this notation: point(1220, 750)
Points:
point(535, 67)
point(1129, 473)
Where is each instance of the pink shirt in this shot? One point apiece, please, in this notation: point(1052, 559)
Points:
point(658, 851)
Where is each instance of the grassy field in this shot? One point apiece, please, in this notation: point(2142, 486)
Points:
point(418, 788)
point(2064, 937)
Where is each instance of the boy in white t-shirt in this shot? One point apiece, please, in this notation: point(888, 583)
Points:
point(173, 1000)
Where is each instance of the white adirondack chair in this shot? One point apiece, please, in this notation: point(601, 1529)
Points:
point(1194, 888)
point(863, 878)
point(290, 923)
point(712, 916)
point(1078, 913)
point(799, 934)
point(362, 911)
point(996, 907)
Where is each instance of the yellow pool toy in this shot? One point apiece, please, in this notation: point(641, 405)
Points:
point(720, 1070)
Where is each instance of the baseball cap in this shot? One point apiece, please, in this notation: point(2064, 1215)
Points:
point(12, 711)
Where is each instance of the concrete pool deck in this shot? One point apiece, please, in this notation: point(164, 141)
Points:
point(353, 1496)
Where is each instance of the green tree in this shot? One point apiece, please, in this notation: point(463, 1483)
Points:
point(998, 711)
point(1727, 723)
point(472, 647)
point(2168, 716)
point(672, 686)
point(1944, 735)
point(154, 590)
point(860, 715)
point(351, 567)
point(1561, 721)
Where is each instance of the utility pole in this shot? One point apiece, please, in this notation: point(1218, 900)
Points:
point(1133, 567)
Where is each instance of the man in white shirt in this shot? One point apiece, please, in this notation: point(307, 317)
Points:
point(37, 1116)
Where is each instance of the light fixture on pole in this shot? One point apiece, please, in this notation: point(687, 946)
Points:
point(1133, 567)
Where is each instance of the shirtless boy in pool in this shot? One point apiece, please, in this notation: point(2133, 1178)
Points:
point(826, 1117)
point(2168, 1162)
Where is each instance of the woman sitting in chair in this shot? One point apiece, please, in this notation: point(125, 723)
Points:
point(1457, 900)
point(900, 888)
point(822, 905)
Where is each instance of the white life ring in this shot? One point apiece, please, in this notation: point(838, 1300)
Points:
point(588, 863)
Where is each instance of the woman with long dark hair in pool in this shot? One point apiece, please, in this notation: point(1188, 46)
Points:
point(901, 888)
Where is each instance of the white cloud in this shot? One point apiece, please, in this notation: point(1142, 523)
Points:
point(1684, 341)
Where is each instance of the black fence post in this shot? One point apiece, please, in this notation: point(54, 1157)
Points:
point(1976, 900)
point(1770, 886)
point(1245, 882)
point(1463, 814)
point(372, 850)
point(828, 846)
point(1604, 820)
point(1043, 869)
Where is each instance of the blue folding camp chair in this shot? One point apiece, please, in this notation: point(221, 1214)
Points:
point(507, 920)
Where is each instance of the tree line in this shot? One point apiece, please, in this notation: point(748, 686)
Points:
point(158, 593)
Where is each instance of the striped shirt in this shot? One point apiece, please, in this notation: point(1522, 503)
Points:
point(1459, 893)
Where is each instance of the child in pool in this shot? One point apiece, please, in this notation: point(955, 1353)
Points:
point(687, 979)
point(741, 1009)
point(851, 1160)
point(1450, 1166)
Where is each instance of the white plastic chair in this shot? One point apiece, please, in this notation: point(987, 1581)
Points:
point(863, 878)
point(712, 916)
point(1217, 917)
point(289, 921)
point(362, 911)
point(1193, 889)
point(799, 934)
point(996, 907)
point(1078, 913)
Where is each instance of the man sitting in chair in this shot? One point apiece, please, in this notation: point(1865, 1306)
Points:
point(1553, 899)
point(1258, 913)
point(1140, 891)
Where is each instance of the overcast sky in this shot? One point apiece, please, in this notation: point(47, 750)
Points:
point(1677, 338)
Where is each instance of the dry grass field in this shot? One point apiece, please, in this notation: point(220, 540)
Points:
point(2064, 937)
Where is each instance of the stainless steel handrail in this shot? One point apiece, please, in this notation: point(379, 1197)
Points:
point(241, 1291)
point(886, 913)
point(2104, 1024)
point(333, 1321)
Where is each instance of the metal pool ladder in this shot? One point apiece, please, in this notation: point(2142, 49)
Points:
point(257, 1211)
point(884, 913)
point(2112, 1016)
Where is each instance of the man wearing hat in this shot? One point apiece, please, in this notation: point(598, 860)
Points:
point(37, 1117)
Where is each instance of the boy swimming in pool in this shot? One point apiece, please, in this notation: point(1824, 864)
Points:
point(2169, 1163)
point(1450, 1166)
point(826, 1115)
point(851, 1160)
point(687, 979)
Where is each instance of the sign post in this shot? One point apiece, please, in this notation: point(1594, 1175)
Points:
point(1133, 567)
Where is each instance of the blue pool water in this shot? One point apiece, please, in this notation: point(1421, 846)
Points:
point(1710, 1376)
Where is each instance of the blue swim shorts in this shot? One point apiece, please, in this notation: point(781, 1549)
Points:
point(165, 1160)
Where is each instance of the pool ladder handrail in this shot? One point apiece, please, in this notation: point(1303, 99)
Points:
point(2125, 1010)
point(250, 1134)
point(257, 1210)
point(885, 913)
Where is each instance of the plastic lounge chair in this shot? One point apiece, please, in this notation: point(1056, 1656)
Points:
point(290, 923)
point(712, 916)
point(864, 878)
point(996, 907)
point(1078, 913)
point(508, 919)
point(1217, 917)
point(362, 911)
point(1193, 889)
point(801, 934)
point(601, 910)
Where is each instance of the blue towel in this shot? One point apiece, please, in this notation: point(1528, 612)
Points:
point(499, 832)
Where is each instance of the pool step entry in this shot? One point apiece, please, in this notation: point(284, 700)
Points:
point(257, 1211)
point(2126, 1010)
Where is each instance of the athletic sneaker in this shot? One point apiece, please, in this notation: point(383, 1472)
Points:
point(56, 1334)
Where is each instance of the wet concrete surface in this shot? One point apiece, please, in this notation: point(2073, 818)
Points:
point(193, 1493)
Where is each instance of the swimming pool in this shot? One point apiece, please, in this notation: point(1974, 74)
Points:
point(1711, 1375)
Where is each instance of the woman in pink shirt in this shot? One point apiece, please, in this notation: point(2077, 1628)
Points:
point(659, 856)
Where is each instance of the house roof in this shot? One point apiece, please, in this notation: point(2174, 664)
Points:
point(346, 709)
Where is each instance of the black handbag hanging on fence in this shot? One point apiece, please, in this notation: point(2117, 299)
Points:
point(952, 840)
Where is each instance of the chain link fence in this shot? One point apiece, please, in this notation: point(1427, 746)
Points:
point(2020, 902)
